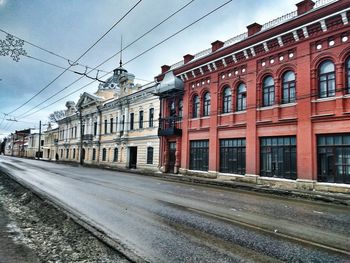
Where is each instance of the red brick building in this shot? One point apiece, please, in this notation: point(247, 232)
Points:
point(265, 106)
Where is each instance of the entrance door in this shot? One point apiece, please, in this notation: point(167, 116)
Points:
point(171, 157)
point(132, 157)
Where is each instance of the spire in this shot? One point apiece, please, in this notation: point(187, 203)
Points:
point(121, 51)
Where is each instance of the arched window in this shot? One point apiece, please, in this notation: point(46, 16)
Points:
point(195, 110)
point(180, 108)
point(241, 97)
point(104, 154)
point(226, 100)
point(347, 65)
point(326, 79)
point(149, 155)
point(268, 91)
point(288, 86)
point(115, 156)
point(206, 104)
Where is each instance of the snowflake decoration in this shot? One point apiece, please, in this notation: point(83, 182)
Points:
point(12, 47)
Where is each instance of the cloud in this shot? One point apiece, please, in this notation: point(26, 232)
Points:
point(2, 2)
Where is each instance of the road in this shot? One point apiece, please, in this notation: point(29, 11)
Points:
point(164, 221)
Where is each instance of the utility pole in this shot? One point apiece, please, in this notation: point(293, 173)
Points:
point(39, 140)
point(81, 137)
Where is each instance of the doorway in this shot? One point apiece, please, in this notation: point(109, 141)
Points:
point(132, 157)
point(171, 157)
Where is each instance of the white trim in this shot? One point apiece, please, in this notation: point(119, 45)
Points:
point(266, 40)
point(287, 105)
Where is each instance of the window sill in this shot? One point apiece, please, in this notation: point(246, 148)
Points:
point(267, 108)
point(325, 99)
point(286, 105)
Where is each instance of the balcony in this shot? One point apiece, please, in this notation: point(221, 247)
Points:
point(88, 137)
point(170, 126)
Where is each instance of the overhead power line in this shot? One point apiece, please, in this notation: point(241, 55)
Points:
point(98, 40)
point(105, 61)
point(48, 51)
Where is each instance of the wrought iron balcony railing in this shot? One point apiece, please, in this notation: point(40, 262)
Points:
point(170, 126)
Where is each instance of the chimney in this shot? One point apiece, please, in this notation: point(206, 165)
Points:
point(188, 58)
point(216, 45)
point(304, 6)
point(253, 29)
point(165, 68)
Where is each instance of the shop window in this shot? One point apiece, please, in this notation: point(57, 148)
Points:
point(333, 158)
point(199, 155)
point(232, 156)
point(278, 157)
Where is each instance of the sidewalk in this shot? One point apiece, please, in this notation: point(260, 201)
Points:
point(335, 198)
point(10, 250)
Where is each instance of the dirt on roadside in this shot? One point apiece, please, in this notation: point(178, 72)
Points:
point(32, 230)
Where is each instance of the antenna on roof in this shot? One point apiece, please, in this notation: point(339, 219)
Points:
point(121, 51)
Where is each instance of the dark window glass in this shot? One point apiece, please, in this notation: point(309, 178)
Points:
point(93, 154)
point(278, 157)
point(195, 109)
point(288, 84)
point(111, 125)
point(106, 126)
point(116, 124)
point(348, 75)
point(67, 153)
point(149, 155)
point(268, 91)
point(206, 104)
point(199, 155)
point(333, 158)
point(226, 100)
point(104, 154)
point(141, 119)
point(232, 156)
point(123, 122)
point(151, 117)
point(327, 79)
point(95, 128)
point(172, 109)
point(83, 129)
point(115, 156)
point(131, 121)
point(241, 97)
point(73, 153)
point(180, 108)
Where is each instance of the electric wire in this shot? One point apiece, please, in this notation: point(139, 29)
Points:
point(95, 43)
point(46, 50)
point(106, 60)
point(139, 55)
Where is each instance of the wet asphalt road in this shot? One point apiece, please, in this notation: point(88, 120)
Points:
point(164, 221)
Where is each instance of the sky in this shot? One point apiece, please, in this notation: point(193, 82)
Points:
point(68, 28)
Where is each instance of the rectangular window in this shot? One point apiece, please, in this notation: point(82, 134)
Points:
point(116, 124)
point(232, 156)
point(83, 129)
point(199, 155)
point(333, 158)
point(42, 143)
point(149, 155)
point(115, 157)
point(93, 154)
point(106, 123)
point(111, 125)
point(67, 153)
point(95, 128)
point(141, 119)
point(278, 157)
point(75, 131)
point(131, 121)
point(151, 117)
